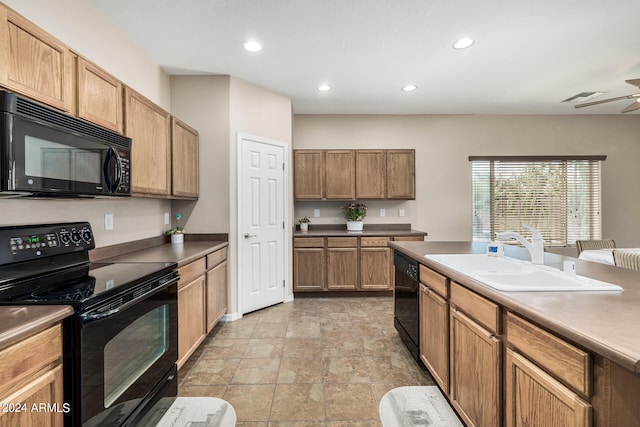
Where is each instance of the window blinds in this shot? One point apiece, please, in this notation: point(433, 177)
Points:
point(560, 196)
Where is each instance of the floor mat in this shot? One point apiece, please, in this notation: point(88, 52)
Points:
point(416, 406)
point(199, 412)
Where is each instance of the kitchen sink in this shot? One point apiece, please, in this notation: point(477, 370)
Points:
point(509, 274)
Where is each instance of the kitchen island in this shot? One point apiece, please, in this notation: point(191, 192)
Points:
point(576, 352)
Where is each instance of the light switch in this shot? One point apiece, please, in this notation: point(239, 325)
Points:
point(108, 222)
point(401, 212)
point(383, 212)
point(316, 213)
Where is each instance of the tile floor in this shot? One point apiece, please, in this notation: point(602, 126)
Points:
point(311, 362)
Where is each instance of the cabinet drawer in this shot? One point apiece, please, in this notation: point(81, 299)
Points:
point(374, 241)
point(27, 357)
point(479, 308)
point(308, 242)
point(561, 359)
point(192, 270)
point(342, 242)
point(434, 281)
point(216, 258)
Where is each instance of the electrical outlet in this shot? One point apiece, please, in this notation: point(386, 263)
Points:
point(316, 213)
point(383, 212)
point(401, 212)
point(108, 222)
point(167, 220)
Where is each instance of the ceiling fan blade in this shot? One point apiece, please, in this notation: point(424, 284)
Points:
point(632, 107)
point(602, 101)
point(634, 82)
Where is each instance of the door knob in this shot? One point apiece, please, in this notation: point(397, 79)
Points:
point(247, 235)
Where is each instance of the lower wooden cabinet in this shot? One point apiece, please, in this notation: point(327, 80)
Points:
point(376, 264)
point(434, 335)
point(534, 398)
point(191, 317)
point(216, 294)
point(202, 300)
point(31, 374)
point(342, 263)
point(475, 372)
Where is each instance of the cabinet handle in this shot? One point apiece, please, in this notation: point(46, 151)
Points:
point(247, 235)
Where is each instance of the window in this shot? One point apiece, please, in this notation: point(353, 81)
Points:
point(559, 196)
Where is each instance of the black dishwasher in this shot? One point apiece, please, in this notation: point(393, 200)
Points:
point(406, 303)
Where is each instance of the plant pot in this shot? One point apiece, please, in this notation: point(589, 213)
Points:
point(304, 227)
point(354, 225)
point(177, 239)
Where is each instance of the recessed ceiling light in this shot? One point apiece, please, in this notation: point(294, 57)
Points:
point(409, 88)
point(252, 46)
point(463, 43)
point(324, 88)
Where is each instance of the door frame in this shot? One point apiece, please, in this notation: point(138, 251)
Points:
point(285, 200)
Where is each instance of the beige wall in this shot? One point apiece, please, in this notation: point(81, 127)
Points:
point(443, 173)
point(82, 27)
point(221, 107)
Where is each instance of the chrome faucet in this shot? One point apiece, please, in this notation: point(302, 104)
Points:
point(535, 248)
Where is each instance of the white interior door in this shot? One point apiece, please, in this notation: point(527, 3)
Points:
point(261, 219)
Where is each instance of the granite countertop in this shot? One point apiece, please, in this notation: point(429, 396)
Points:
point(19, 322)
point(606, 323)
point(182, 254)
point(369, 230)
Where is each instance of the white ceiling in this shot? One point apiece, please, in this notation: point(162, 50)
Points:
point(528, 55)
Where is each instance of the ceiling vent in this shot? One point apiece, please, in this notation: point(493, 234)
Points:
point(583, 96)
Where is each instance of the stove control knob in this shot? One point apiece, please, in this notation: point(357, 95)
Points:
point(75, 236)
point(64, 236)
point(86, 235)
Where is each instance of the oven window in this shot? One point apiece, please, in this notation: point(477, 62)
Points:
point(130, 353)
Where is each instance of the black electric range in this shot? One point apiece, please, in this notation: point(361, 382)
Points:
point(120, 346)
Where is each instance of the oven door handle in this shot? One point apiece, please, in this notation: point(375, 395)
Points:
point(92, 316)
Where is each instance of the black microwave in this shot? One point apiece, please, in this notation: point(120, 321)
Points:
point(44, 152)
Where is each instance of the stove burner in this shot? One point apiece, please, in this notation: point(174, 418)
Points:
point(75, 292)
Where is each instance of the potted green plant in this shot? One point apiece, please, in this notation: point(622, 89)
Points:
point(177, 232)
point(354, 213)
point(304, 224)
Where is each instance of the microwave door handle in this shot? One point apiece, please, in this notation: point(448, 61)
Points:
point(112, 184)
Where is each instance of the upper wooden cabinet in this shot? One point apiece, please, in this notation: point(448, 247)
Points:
point(371, 174)
point(184, 143)
point(401, 178)
point(354, 174)
point(35, 64)
point(149, 127)
point(99, 96)
point(308, 170)
point(339, 173)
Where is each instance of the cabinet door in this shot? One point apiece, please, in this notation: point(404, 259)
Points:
point(340, 174)
point(434, 335)
point(534, 398)
point(99, 96)
point(46, 388)
point(308, 269)
point(342, 268)
point(475, 372)
point(370, 174)
point(308, 170)
point(401, 174)
point(376, 269)
point(216, 294)
point(149, 127)
point(35, 64)
point(185, 160)
point(191, 318)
